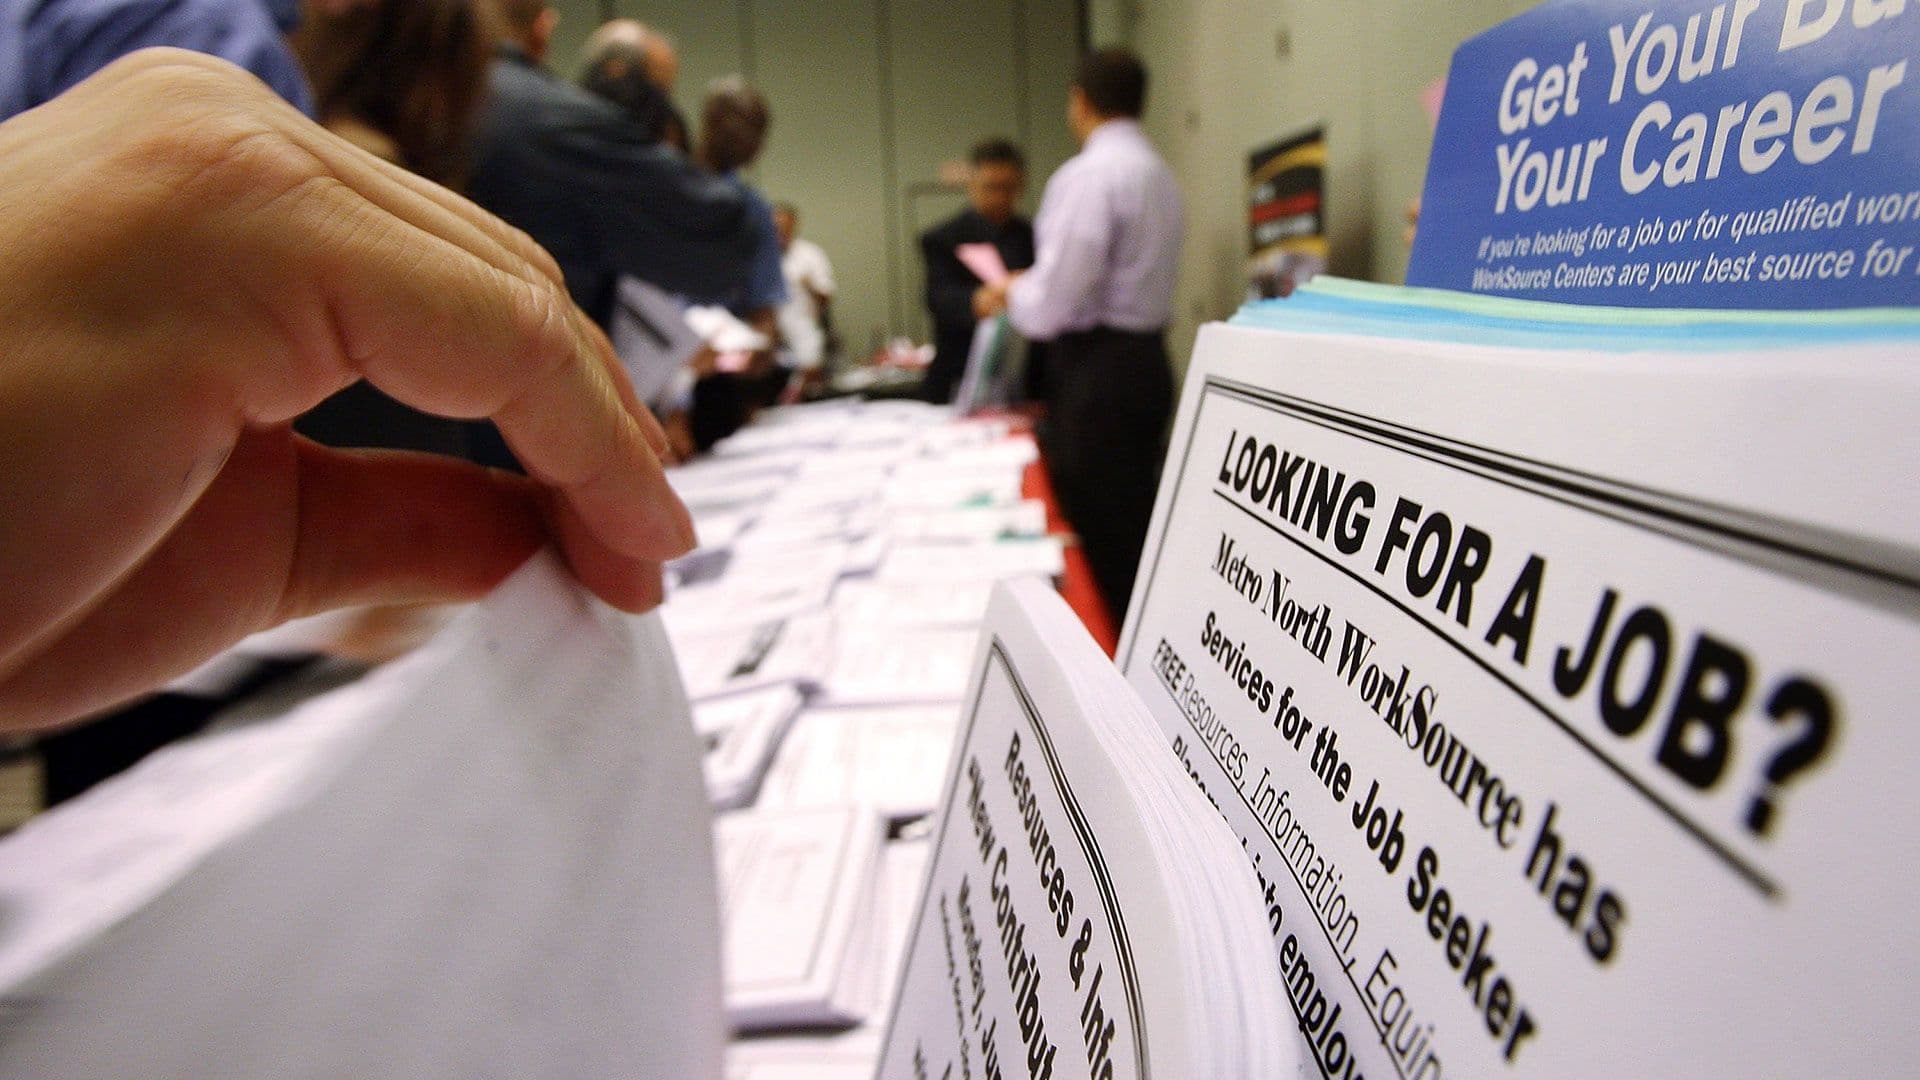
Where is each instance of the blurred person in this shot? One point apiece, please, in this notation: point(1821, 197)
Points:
point(806, 318)
point(402, 79)
point(734, 121)
point(155, 506)
point(996, 179)
point(635, 66)
point(588, 184)
point(594, 188)
point(47, 46)
point(1101, 291)
point(658, 56)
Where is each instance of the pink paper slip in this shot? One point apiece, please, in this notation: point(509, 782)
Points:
point(985, 262)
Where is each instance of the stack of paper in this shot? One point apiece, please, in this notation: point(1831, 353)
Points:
point(889, 757)
point(742, 733)
point(801, 891)
point(731, 659)
point(898, 602)
point(1041, 556)
point(489, 858)
point(849, 549)
point(851, 1054)
point(1556, 665)
point(895, 664)
point(1087, 912)
point(971, 524)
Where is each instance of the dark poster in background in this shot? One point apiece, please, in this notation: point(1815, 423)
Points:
point(1286, 220)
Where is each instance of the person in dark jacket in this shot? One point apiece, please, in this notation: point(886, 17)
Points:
point(997, 179)
point(592, 187)
point(597, 190)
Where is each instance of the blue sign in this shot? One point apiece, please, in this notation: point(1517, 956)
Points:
point(1740, 154)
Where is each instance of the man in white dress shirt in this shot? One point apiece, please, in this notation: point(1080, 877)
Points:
point(1101, 290)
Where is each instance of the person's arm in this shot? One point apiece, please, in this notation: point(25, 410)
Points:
point(950, 284)
point(1071, 263)
point(766, 282)
point(190, 265)
point(656, 215)
point(819, 277)
point(63, 44)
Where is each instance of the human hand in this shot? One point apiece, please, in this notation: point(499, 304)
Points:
point(705, 360)
point(680, 444)
point(989, 300)
point(190, 264)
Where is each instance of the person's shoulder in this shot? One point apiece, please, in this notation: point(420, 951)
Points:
point(151, 16)
point(949, 232)
point(527, 104)
point(515, 80)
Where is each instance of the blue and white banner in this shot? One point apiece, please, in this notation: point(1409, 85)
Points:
point(1740, 154)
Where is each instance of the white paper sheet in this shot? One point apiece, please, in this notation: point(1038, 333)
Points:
point(874, 665)
point(894, 602)
point(742, 733)
point(737, 658)
point(888, 757)
point(970, 525)
point(798, 887)
point(491, 857)
point(1042, 556)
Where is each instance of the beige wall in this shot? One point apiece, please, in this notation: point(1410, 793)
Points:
point(869, 97)
point(1231, 75)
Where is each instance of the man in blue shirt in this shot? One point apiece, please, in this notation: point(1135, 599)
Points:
point(733, 129)
point(46, 46)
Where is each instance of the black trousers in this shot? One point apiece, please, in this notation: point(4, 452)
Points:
point(1109, 397)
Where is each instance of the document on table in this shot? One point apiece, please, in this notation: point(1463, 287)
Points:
point(1040, 556)
point(875, 665)
point(455, 866)
point(936, 489)
point(742, 733)
point(897, 602)
point(851, 1054)
point(889, 757)
point(744, 598)
point(783, 529)
point(736, 658)
point(971, 524)
point(799, 890)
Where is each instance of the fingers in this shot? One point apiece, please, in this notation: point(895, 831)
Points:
point(412, 528)
point(445, 331)
point(288, 528)
point(628, 584)
point(433, 209)
point(430, 207)
point(400, 527)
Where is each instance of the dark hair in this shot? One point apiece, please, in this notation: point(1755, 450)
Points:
point(733, 122)
point(997, 151)
point(1114, 82)
point(413, 70)
point(522, 14)
point(618, 73)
